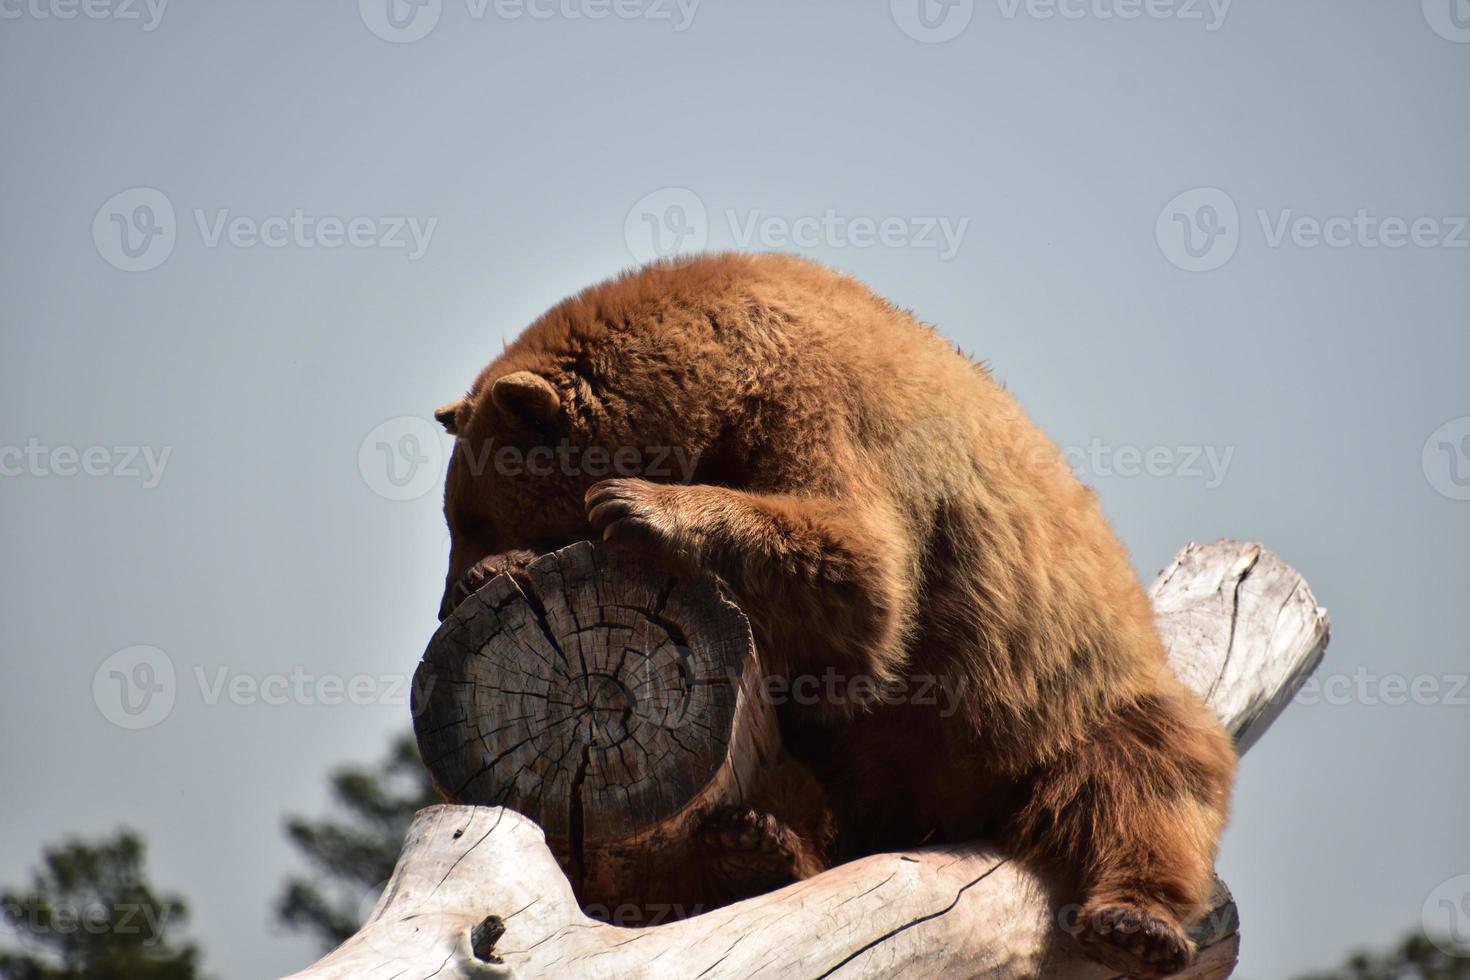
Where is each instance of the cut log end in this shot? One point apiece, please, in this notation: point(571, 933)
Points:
point(606, 701)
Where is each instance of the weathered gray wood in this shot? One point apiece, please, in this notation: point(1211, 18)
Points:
point(940, 912)
point(1242, 629)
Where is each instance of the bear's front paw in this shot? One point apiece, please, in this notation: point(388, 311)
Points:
point(482, 571)
point(1141, 943)
point(640, 512)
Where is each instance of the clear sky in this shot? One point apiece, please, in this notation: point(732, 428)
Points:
point(236, 239)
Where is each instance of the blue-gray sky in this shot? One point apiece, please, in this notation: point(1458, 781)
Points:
point(335, 217)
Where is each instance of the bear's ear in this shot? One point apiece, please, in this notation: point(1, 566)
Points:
point(448, 416)
point(526, 396)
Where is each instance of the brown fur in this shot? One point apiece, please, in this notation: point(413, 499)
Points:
point(880, 508)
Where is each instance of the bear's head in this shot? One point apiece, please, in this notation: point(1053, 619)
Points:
point(532, 438)
point(631, 378)
point(513, 483)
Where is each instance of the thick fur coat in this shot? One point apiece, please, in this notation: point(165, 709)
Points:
point(982, 655)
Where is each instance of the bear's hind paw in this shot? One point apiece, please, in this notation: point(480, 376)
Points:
point(1136, 941)
point(752, 850)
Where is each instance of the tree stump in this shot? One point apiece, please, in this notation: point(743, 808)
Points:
point(608, 701)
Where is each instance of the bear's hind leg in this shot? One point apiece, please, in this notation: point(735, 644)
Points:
point(1131, 817)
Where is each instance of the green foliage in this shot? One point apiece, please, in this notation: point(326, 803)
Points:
point(1416, 958)
point(90, 912)
point(352, 855)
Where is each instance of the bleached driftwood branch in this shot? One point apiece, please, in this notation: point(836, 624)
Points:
point(477, 893)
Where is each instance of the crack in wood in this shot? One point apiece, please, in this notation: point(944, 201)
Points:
point(909, 924)
point(575, 817)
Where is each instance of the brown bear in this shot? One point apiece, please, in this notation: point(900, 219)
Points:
point(980, 656)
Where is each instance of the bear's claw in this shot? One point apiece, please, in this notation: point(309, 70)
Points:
point(641, 512)
point(741, 828)
point(512, 562)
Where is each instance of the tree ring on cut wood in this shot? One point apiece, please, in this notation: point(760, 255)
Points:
point(607, 700)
